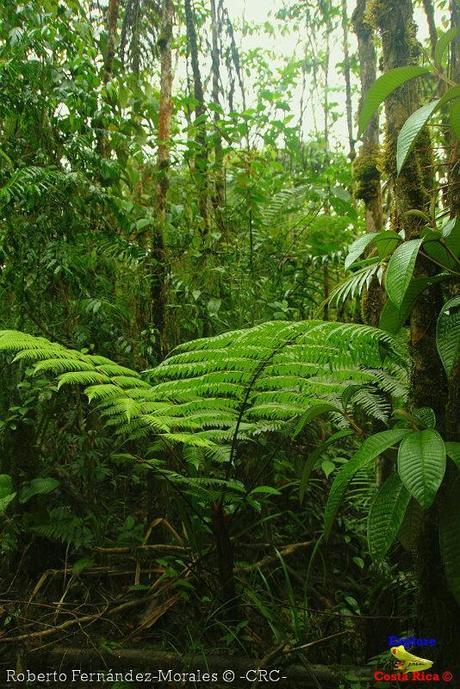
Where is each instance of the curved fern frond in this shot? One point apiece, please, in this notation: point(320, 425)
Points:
point(240, 384)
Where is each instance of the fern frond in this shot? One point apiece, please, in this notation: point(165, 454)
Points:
point(241, 383)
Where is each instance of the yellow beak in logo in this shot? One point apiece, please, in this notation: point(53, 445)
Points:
point(408, 662)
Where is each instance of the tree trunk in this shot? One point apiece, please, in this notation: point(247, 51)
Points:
point(112, 21)
point(219, 178)
point(429, 12)
point(160, 267)
point(453, 198)
point(346, 73)
point(366, 172)
point(436, 608)
point(201, 144)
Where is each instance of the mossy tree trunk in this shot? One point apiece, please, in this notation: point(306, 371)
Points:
point(201, 144)
point(159, 257)
point(366, 173)
point(437, 612)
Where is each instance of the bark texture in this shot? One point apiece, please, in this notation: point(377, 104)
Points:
point(160, 266)
point(366, 173)
point(437, 612)
point(201, 144)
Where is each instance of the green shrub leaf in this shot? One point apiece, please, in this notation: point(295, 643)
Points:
point(411, 129)
point(386, 516)
point(401, 270)
point(370, 449)
point(358, 247)
point(442, 44)
point(422, 464)
point(38, 486)
point(383, 87)
point(449, 537)
point(453, 451)
point(448, 334)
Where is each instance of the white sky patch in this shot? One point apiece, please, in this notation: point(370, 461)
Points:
point(288, 45)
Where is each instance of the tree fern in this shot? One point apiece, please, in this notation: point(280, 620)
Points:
point(241, 383)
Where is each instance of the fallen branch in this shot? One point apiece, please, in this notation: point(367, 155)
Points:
point(270, 559)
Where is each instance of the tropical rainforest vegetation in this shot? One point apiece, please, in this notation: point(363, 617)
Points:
point(230, 345)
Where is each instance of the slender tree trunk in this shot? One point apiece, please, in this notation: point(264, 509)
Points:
point(160, 267)
point(429, 12)
point(219, 181)
point(453, 198)
point(201, 153)
point(347, 75)
point(112, 21)
point(437, 611)
point(327, 59)
point(225, 559)
point(366, 170)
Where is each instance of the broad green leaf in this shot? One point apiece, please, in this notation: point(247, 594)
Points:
point(453, 238)
point(455, 118)
point(7, 493)
point(401, 270)
point(449, 536)
point(386, 242)
point(5, 501)
point(265, 490)
point(393, 318)
point(411, 129)
point(448, 227)
point(412, 526)
point(448, 334)
point(422, 464)
point(358, 247)
point(441, 248)
point(328, 467)
point(312, 412)
point(383, 87)
point(6, 485)
point(38, 486)
point(450, 95)
point(442, 43)
point(386, 516)
point(453, 451)
point(370, 449)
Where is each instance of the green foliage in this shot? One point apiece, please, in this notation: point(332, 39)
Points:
point(448, 334)
point(385, 86)
point(386, 516)
point(371, 448)
point(449, 536)
point(38, 486)
point(401, 269)
point(411, 129)
point(241, 383)
point(421, 464)
point(7, 493)
point(442, 44)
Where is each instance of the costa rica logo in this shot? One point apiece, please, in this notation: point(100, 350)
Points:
point(408, 662)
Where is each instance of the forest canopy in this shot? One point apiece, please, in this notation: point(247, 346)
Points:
point(230, 337)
